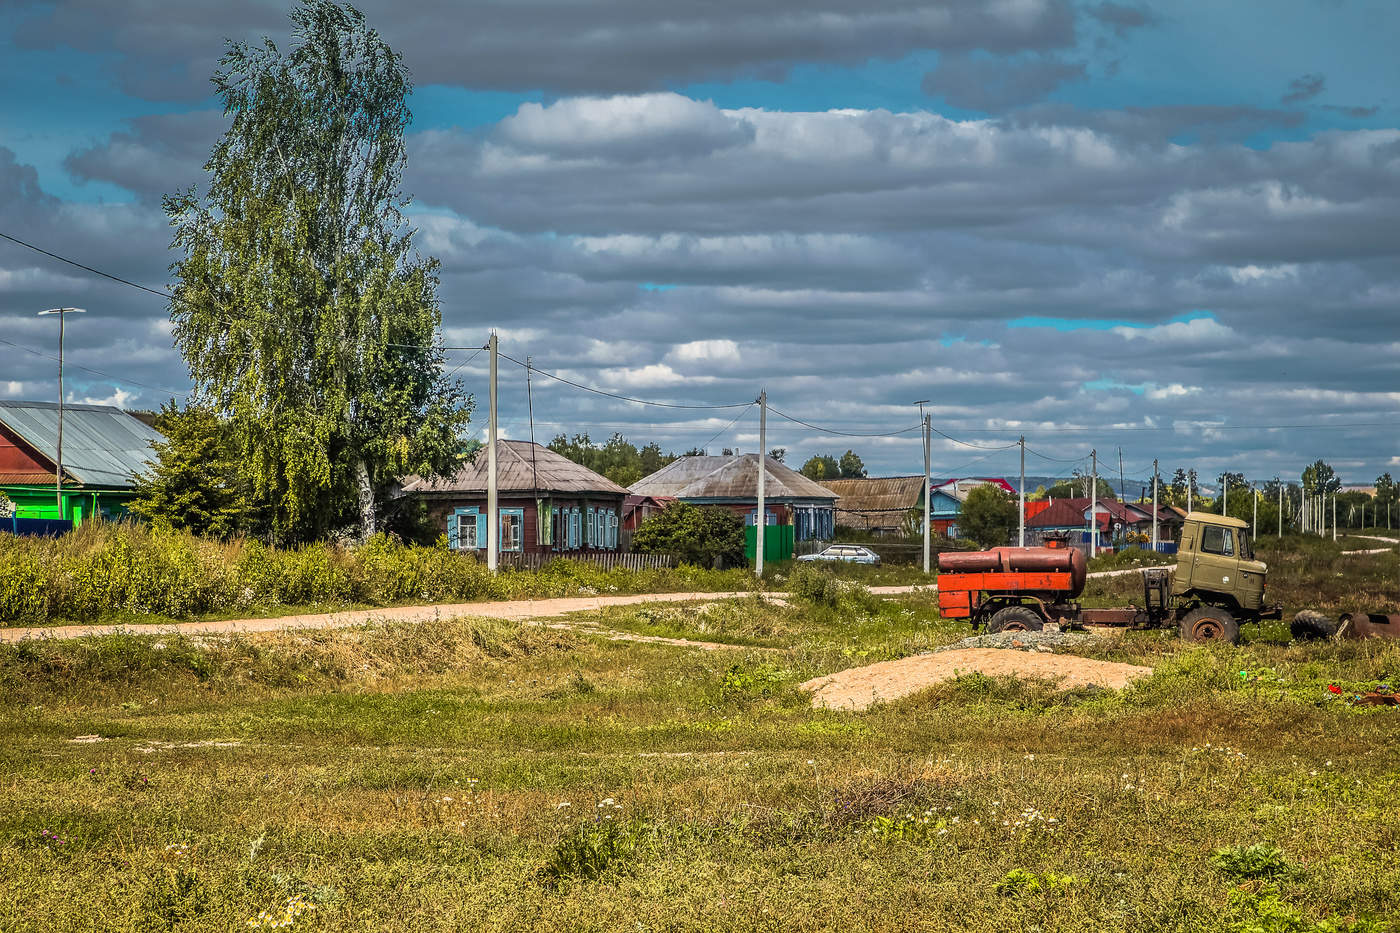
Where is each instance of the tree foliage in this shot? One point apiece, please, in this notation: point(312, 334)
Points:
point(1319, 478)
point(620, 461)
point(821, 467)
point(196, 481)
point(302, 310)
point(989, 516)
point(702, 535)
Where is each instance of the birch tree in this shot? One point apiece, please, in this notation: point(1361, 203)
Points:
point(301, 307)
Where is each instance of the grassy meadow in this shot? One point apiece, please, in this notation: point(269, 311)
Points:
point(472, 774)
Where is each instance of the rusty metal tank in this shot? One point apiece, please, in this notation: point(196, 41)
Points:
point(1020, 559)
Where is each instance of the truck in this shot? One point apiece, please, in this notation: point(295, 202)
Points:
point(1217, 584)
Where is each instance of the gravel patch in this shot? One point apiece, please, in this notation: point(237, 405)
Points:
point(1025, 641)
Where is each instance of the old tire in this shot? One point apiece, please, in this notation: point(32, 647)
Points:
point(1310, 625)
point(1015, 619)
point(1210, 624)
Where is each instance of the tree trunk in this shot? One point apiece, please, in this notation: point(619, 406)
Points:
point(366, 500)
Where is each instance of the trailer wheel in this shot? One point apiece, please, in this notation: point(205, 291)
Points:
point(1311, 624)
point(1015, 619)
point(1208, 623)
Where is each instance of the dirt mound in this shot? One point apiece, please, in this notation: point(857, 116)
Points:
point(861, 687)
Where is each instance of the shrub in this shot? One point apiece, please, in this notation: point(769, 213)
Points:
point(704, 535)
point(593, 848)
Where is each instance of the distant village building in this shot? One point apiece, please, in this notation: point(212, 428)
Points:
point(791, 499)
point(104, 449)
point(879, 505)
point(637, 509)
point(547, 504)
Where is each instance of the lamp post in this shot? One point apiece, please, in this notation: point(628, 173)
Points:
point(58, 460)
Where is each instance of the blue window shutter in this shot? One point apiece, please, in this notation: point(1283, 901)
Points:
point(481, 529)
point(452, 530)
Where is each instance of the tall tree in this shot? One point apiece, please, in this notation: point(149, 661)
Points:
point(852, 467)
point(301, 307)
point(1319, 478)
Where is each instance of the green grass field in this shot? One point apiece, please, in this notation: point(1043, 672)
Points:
point(465, 775)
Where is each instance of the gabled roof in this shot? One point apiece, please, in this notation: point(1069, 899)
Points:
point(729, 479)
point(102, 445)
point(959, 488)
point(891, 494)
point(1063, 513)
point(521, 467)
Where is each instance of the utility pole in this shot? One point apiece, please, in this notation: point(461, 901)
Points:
point(1021, 541)
point(762, 481)
point(1334, 516)
point(1154, 506)
point(1254, 494)
point(928, 483)
point(1279, 480)
point(58, 460)
point(1190, 484)
point(493, 518)
point(1094, 506)
point(1225, 493)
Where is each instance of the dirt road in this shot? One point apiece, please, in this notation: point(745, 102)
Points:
point(505, 609)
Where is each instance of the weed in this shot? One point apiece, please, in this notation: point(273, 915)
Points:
point(1257, 861)
point(1021, 883)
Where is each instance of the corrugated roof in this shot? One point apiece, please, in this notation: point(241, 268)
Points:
point(520, 467)
point(102, 446)
point(877, 494)
point(729, 478)
point(1062, 514)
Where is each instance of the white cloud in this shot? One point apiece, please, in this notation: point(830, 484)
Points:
point(704, 351)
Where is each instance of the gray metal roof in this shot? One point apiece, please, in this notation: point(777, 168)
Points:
point(520, 466)
point(102, 446)
point(729, 478)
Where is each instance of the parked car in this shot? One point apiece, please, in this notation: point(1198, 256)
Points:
point(851, 553)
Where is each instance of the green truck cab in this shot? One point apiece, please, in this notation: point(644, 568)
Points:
point(1218, 583)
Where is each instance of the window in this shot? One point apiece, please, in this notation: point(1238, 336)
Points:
point(1217, 540)
point(466, 529)
point(512, 529)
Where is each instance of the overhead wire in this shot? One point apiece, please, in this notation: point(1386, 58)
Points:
point(726, 428)
point(621, 397)
point(817, 427)
point(96, 372)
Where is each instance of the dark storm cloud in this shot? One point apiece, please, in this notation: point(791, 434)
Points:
point(158, 155)
point(1304, 87)
point(1204, 123)
point(992, 85)
point(1356, 113)
point(167, 50)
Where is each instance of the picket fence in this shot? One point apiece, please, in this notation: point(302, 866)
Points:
point(607, 560)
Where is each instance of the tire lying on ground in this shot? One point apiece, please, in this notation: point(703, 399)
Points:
point(1310, 625)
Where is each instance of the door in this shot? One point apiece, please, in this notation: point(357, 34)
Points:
point(1217, 561)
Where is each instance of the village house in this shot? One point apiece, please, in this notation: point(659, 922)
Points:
point(637, 509)
point(104, 449)
point(880, 505)
point(791, 499)
point(547, 504)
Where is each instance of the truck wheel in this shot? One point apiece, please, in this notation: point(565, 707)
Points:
point(1207, 623)
point(1311, 624)
point(1015, 619)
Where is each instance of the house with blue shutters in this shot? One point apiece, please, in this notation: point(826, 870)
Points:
point(547, 504)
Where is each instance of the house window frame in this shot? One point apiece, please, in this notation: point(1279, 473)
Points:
point(519, 515)
point(467, 517)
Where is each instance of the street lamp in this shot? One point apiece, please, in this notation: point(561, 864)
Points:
point(58, 464)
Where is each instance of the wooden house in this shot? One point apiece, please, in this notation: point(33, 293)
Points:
point(547, 503)
point(732, 482)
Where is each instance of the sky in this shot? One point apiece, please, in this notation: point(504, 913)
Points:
point(1156, 230)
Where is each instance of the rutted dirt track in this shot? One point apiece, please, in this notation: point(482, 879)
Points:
point(505, 609)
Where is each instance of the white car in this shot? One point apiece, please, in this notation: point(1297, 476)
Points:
point(851, 553)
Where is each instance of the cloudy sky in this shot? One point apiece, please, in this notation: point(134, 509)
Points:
point(1167, 228)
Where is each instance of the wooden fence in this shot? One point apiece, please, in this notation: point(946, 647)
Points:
point(607, 560)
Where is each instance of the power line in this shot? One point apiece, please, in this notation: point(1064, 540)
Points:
point(96, 372)
point(817, 427)
point(731, 424)
point(624, 398)
point(161, 293)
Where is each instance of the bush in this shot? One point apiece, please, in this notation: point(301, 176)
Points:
point(105, 570)
point(1256, 861)
point(708, 536)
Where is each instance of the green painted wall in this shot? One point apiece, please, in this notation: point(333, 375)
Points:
point(78, 504)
